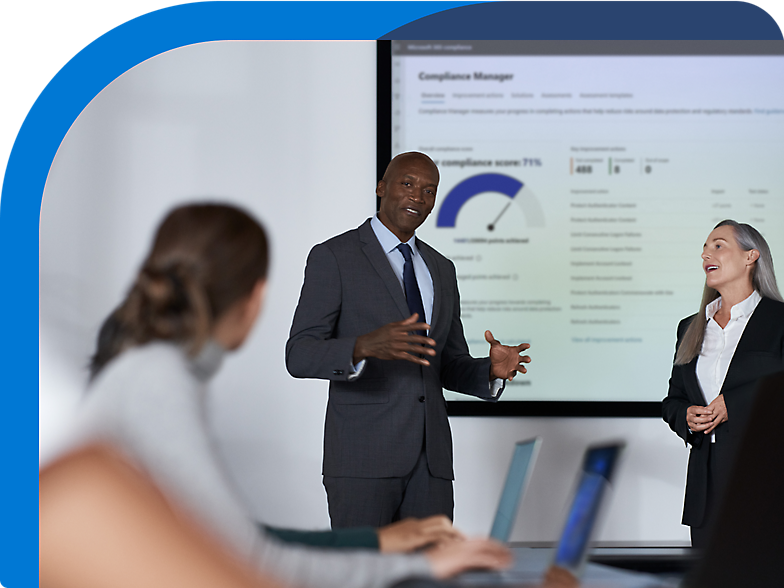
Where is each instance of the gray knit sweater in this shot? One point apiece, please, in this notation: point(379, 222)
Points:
point(150, 403)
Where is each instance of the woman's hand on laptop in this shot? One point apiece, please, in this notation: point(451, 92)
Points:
point(410, 534)
point(454, 558)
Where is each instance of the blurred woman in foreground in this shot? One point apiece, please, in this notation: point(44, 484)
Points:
point(102, 523)
point(736, 338)
point(196, 296)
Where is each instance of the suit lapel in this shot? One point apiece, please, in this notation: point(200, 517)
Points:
point(750, 334)
point(432, 266)
point(692, 383)
point(378, 259)
point(752, 331)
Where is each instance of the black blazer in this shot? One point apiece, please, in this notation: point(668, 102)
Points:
point(760, 352)
point(376, 424)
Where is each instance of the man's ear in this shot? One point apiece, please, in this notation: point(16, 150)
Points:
point(381, 188)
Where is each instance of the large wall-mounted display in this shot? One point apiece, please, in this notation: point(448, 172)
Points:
point(578, 184)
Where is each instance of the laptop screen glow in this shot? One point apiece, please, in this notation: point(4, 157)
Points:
point(598, 467)
point(516, 481)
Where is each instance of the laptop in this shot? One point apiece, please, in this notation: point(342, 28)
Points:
point(517, 479)
point(571, 552)
point(599, 465)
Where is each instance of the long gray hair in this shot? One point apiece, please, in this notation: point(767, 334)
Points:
point(763, 279)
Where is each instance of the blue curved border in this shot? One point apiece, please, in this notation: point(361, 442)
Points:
point(117, 51)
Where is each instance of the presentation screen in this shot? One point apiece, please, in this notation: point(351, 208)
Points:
point(579, 182)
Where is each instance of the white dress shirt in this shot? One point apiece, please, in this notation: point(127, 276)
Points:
point(389, 243)
point(719, 345)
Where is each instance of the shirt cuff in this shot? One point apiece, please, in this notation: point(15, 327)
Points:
point(496, 387)
point(356, 370)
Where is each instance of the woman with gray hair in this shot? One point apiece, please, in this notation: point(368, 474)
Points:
point(736, 338)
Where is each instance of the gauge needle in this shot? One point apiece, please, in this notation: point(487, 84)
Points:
point(491, 226)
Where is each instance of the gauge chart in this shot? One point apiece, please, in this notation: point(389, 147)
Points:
point(475, 186)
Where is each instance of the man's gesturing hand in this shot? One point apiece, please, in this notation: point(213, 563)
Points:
point(396, 341)
point(505, 361)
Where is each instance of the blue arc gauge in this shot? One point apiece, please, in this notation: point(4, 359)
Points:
point(510, 187)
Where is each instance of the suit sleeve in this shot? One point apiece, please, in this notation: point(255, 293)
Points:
point(352, 538)
point(676, 403)
point(322, 567)
point(313, 350)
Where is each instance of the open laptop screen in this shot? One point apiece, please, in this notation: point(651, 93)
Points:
point(598, 466)
point(516, 481)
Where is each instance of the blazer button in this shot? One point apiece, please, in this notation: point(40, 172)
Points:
point(421, 399)
point(337, 372)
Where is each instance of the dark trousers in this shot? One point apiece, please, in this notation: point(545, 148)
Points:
point(375, 502)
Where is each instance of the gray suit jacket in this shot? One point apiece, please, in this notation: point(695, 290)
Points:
point(376, 424)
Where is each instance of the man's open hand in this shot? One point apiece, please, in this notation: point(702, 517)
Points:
point(506, 361)
point(396, 341)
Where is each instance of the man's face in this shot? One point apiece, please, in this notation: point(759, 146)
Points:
point(408, 194)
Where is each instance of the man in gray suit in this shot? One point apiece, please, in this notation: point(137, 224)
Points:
point(379, 317)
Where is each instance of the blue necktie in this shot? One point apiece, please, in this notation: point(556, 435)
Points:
point(413, 297)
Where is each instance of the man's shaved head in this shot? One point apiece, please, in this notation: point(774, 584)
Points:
point(405, 158)
point(407, 193)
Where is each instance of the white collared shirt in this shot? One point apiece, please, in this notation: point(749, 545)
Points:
point(389, 243)
point(719, 345)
